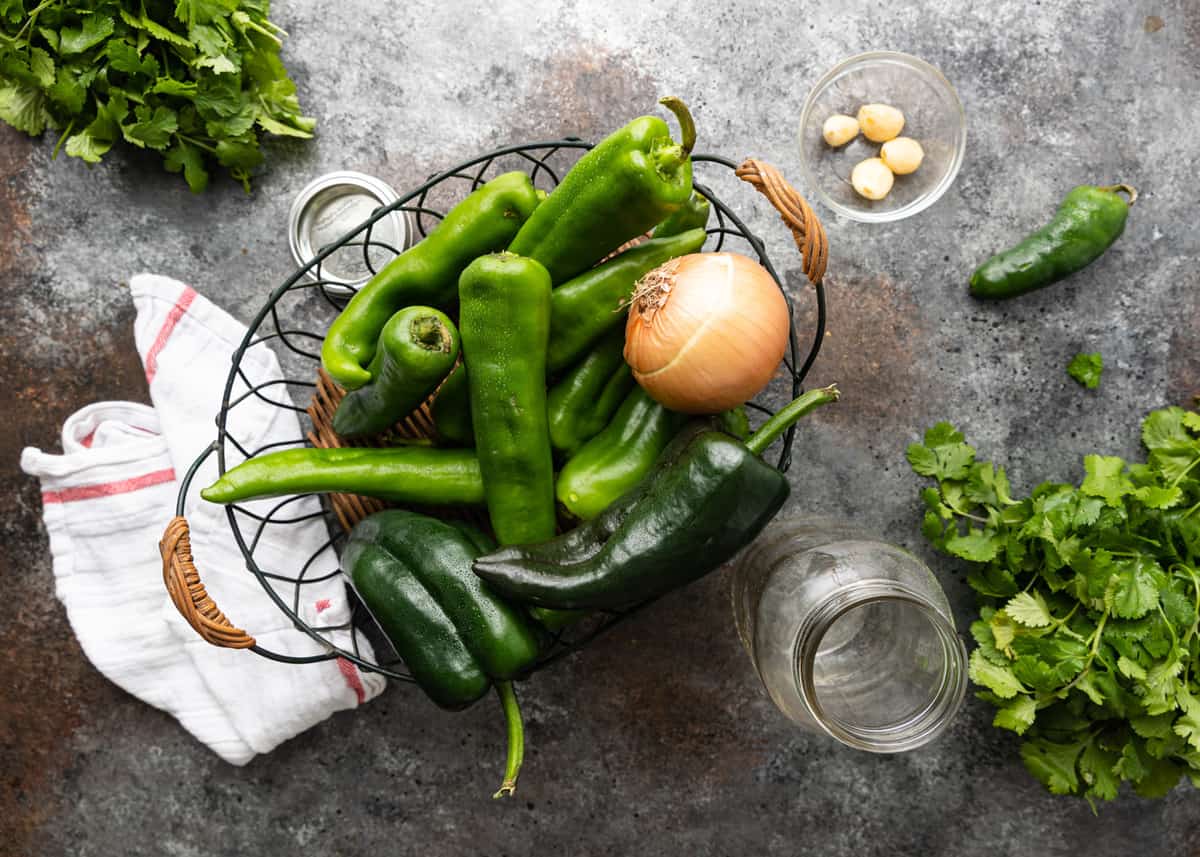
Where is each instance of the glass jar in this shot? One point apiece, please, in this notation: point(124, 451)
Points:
point(851, 636)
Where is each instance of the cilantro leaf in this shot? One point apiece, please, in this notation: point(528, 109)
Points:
point(24, 108)
point(124, 57)
point(92, 31)
point(153, 128)
point(182, 156)
point(1105, 478)
point(1132, 591)
point(1165, 429)
point(1096, 769)
point(976, 545)
point(1086, 369)
point(999, 680)
point(1016, 716)
point(1053, 764)
point(1029, 610)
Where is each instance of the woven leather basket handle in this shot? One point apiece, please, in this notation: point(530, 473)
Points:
point(179, 571)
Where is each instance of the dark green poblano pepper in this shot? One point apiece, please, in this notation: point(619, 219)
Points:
point(708, 496)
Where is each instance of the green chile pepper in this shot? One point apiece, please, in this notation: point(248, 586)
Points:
point(417, 348)
point(708, 496)
point(630, 181)
point(504, 321)
point(692, 215)
point(426, 273)
point(1086, 224)
point(582, 310)
point(617, 458)
point(451, 410)
point(455, 635)
point(582, 403)
point(414, 473)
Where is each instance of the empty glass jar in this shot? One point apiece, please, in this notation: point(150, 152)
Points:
point(851, 636)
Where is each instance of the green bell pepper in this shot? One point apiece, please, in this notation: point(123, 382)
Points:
point(593, 303)
point(455, 635)
point(630, 181)
point(582, 403)
point(708, 496)
point(426, 273)
point(416, 350)
point(618, 457)
point(504, 322)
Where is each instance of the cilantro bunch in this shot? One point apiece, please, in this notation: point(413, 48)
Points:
point(193, 79)
point(1089, 602)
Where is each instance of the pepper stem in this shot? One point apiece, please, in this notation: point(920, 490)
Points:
point(1127, 188)
point(516, 738)
point(687, 128)
point(776, 425)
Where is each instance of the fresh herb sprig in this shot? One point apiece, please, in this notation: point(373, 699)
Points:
point(1089, 597)
point(193, 79)
point(1086, 369)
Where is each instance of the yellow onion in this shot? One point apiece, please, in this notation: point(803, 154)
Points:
point(706, 332)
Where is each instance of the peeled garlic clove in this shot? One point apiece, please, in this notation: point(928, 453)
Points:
point(902, 155)
point(839, 129)
point(880, 122)
point(872, 179)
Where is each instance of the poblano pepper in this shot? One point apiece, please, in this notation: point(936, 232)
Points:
point(455, 636)
point(630, 181)
point(707, 497)
point(451, 410)
point(426, 273)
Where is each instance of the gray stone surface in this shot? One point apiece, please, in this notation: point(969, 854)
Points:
point(657, 740)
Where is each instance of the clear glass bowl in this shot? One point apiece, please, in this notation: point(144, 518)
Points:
point(933, 116)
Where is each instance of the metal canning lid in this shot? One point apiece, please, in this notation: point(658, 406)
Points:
point(333, 205)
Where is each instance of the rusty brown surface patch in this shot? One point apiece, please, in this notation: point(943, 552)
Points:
point(49, 687)
point(873, 331)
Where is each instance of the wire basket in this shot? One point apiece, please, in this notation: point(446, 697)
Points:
point(293, 321)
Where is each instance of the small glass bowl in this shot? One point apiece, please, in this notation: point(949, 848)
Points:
point(933, 116)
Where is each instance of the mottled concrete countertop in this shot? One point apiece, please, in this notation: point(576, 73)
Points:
point(658, 739)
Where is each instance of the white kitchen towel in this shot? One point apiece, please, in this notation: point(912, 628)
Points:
point(108, 497)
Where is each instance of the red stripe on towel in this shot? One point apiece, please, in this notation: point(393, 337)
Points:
point(353, 681)
point(107, 489)
point(164, 333)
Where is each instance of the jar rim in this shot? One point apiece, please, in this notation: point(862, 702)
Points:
point(917, 729)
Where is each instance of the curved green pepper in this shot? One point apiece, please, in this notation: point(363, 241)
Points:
point(504, 320)
point(693, 214)
point(582, 403)
point(630, 181)
point(417, 348)
point(451, 410)
point(413, 573)
point(584, 309)
point(1086, 224)
point(403, 474)
point(617, 458)
point(426, 273)
point(708, 497)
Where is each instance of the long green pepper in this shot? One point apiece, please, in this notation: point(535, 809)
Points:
point(630, 181)
point(582, 403)
point(426, 273)
point(504, 323)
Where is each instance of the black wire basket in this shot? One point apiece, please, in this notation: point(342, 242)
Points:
point(293, 320)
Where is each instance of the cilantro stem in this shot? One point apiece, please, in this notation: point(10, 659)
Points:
point(1178, 478)
point(62, 138)
point(32, 19)
point(210, 149)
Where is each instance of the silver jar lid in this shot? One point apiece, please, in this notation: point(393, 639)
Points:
point(334, 204)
